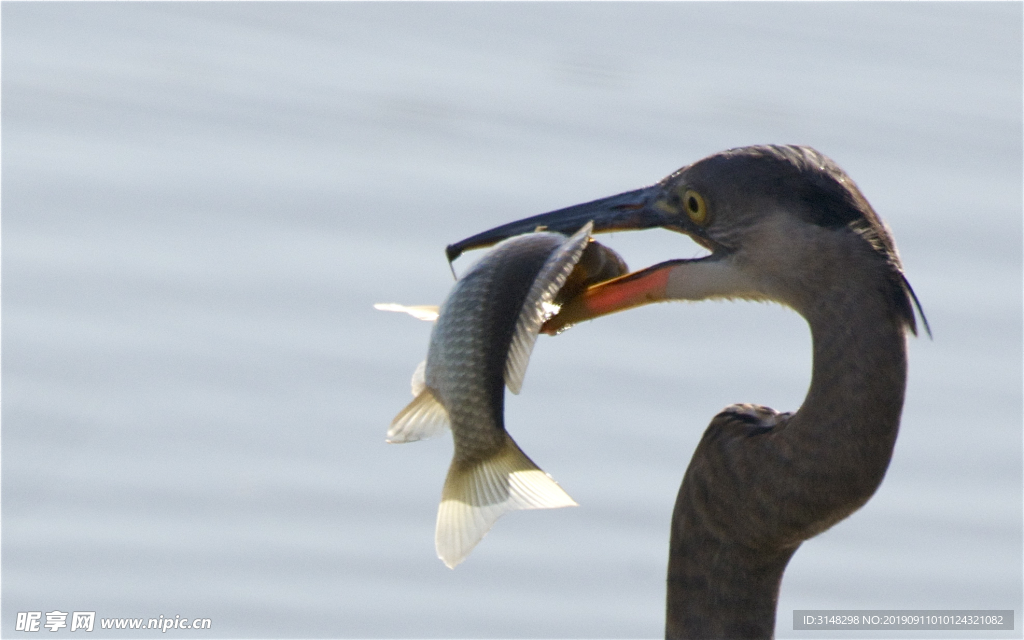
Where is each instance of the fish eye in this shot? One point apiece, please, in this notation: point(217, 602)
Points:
point(695, 206)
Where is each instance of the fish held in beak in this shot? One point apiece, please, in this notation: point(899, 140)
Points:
point(615, 289)
point(481, 343)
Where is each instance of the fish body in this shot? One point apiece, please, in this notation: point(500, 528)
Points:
point(481, 342)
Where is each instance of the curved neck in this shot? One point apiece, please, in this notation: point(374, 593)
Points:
point(845, 430)
point(756, 489)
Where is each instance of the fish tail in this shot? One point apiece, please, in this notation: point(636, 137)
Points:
point(476, 495)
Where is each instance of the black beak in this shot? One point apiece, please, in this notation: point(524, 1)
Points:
point(627, 211)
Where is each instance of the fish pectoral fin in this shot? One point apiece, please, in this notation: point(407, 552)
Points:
point(419, 311)
point(420, 419)
point(475, 496)
point(537, 306)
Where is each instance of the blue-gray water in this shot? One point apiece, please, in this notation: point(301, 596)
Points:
point(201, 203)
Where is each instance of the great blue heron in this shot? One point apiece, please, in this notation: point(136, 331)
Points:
point(786, 224)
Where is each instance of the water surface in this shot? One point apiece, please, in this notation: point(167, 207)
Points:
point(201, 203)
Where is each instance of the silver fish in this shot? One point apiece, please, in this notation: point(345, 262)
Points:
point(482, 341)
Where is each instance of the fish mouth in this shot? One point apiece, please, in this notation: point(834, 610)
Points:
point(646, 208)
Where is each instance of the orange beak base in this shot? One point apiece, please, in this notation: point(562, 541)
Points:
point(619, 294)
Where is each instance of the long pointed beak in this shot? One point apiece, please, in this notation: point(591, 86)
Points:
point(626, 211)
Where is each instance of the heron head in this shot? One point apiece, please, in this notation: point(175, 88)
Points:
point(720, 201)
point(768, 215)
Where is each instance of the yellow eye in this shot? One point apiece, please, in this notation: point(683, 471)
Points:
point(695, 207)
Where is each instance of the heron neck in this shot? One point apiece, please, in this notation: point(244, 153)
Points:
point(753, 494)
point(848, 422)
point(719, 589)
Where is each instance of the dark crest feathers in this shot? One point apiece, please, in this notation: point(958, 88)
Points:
point(827, 197)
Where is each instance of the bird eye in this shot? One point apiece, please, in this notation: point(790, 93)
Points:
point(695, 206)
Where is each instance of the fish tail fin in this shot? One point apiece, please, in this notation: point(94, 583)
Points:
point(476, 495)
point(422, 418)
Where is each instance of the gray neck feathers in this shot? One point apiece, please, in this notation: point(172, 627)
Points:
point(755, 489)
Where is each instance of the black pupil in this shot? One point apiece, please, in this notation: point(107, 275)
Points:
point(691, 203)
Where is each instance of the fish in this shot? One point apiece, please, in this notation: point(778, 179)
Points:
point(481, 342)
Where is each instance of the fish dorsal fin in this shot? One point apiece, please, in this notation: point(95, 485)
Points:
point(536, 310)
point(420, 419)
point(419, 311)
point(475, 496)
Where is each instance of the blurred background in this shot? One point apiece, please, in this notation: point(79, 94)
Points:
point(202, 201)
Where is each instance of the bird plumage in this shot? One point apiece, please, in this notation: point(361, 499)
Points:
point(783, 223)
